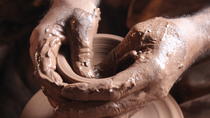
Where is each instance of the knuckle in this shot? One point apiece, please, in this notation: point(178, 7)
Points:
point(114, 94)
point(115, 108)
point(161, 90)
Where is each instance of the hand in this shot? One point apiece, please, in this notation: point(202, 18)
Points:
point(51, 32)
point(162, 50)
point(70, 22)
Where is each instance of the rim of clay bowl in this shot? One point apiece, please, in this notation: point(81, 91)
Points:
point(67, 72)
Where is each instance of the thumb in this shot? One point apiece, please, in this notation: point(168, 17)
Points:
point(80, 32)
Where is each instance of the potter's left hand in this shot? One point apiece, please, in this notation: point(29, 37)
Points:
point(70, 22)
point(67, 21)
point(162, 50)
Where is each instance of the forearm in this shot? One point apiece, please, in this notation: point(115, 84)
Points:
point(62, 8)
point(86, 5)
point(202, 22)
point(195, 30)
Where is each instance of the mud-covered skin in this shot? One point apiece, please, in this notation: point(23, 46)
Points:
point(59, 13)
point(165, 50)
point(135, 86)
point(156, 42)
point(162, 48)
point(46, 40)
point(45, 57)
point(96, 109)
point(82, 29)
point(54, 35)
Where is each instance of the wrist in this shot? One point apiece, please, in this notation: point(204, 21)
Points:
point(195, 32)
point(187, 28)
point(87, 5)
point(201, 19)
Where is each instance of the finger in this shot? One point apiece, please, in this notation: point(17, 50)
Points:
point(118, 64)
point(55, 16)
point(106, 109)
point(130, 80)
point(47, 52)
point(134, 78)
point(128, 114)
point(155, 59)
point(81, 30)
point(125, 61)
point(128, 56)
point(88, 91)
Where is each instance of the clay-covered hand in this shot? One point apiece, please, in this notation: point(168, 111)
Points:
point(162, 50)
point(47, 37)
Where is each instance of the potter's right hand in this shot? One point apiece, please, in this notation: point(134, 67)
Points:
point(162, 49)
point(46, 38)
point(154, 45)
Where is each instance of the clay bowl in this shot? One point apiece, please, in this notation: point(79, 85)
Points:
point(39, 107)
point(102, 45)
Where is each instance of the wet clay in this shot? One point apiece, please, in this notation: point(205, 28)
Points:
point(53, 37)
point(153, 44)
point(156, 42)
point(102, 45)
point(72, 107)
point(147, 48)
point(157, 109)
point(81, 30)
point(72, 77)
point(161, 51)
